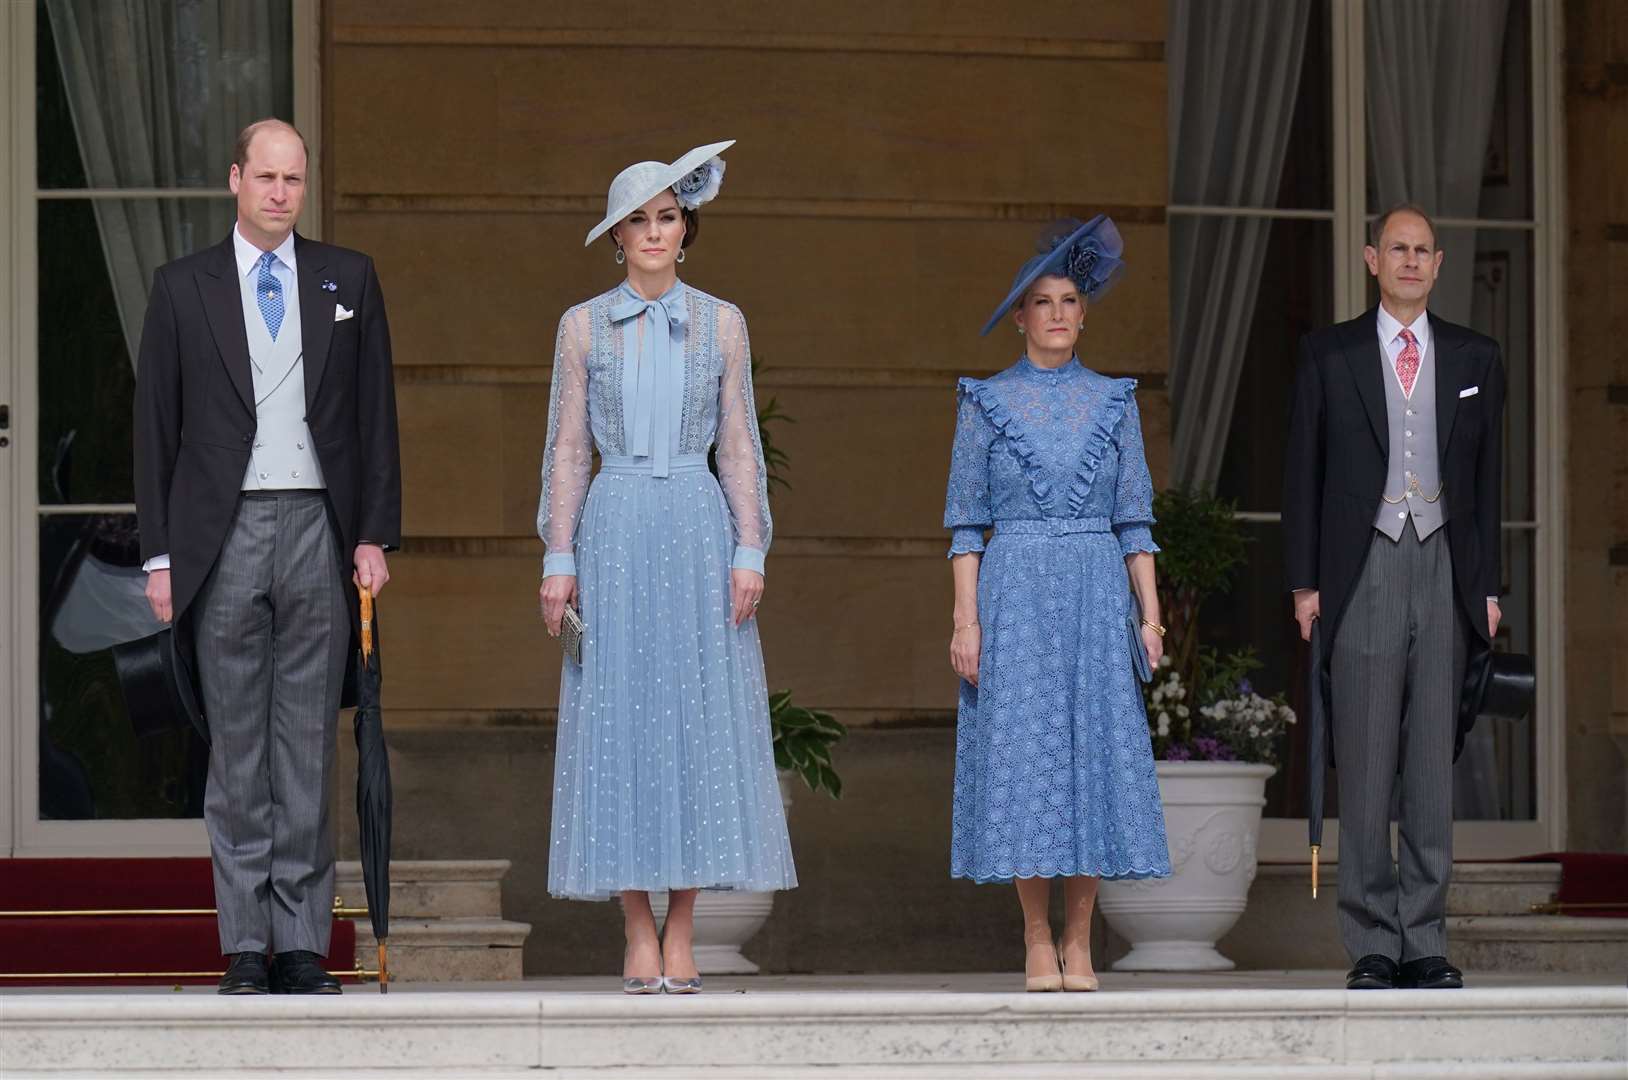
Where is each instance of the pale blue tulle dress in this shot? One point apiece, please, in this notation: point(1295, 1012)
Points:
point(664, 776)
point(1054, 771)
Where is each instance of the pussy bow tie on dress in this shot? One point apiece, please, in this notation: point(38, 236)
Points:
point(659, 370)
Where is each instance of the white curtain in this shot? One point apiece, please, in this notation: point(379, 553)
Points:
point(158, 90)
point(1234, 73)
point(1432, 77)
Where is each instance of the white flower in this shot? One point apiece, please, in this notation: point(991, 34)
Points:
point(1183, 711)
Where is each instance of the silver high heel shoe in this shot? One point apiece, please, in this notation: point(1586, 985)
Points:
point(642, 986)
point(681, 986)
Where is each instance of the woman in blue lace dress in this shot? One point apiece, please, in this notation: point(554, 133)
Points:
point(1054, 768)
point(664, 776)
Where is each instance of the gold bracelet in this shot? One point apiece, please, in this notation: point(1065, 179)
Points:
point(1155, 627)
point(958, 629)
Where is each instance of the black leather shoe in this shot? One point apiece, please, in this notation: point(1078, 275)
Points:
point(1431, 973)
point(246, 974)
point(1372, 972)
point(300, 972)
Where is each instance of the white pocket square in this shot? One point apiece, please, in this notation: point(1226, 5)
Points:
point(341, 313)
point(1470, 391)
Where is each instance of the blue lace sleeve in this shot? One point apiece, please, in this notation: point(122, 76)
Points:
point(967, 511)
point(1133, 495)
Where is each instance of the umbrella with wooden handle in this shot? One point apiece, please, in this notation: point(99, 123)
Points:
point(373, 795)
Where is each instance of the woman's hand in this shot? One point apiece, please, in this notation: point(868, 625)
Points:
point(965, 646)
point(558, 590)
point(745, 593)
point(1154, 645)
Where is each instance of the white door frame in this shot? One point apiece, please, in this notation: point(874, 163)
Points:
point(22, 833)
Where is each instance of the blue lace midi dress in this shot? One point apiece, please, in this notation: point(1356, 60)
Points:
point(1054, 771)
point(664, 773)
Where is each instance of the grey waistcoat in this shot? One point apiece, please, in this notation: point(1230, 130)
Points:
point(282, 457)
point(1414, 474)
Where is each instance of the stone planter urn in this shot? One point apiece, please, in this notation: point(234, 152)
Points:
point(725, 921)
point(1212, 813)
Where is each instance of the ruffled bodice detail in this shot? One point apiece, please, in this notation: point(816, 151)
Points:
point(1034, 443)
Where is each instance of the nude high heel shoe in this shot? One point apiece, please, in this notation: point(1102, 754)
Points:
point(1085, 983)
point(1036, 984)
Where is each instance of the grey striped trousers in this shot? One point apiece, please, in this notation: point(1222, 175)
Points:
point(1397, 670)
point(273, 633)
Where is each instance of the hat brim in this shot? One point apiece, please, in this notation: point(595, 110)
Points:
point(657, 181)
point(1039, 266)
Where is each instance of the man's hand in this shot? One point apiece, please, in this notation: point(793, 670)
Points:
point(158, 595)
point(1307, 609)
point(371, 571)
point(1494, 614)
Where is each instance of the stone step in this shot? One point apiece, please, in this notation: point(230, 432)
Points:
point(446, 950)
point(1555, 943)
point(1514, 1032)
point(432, 888)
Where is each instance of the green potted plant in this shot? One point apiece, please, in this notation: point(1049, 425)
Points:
point(1216, 742)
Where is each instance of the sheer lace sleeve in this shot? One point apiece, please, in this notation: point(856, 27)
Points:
point(1133, 496)
point(741, 471)
point(967, 508)
point(568, 451)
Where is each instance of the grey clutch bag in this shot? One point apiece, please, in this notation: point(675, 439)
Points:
point(571, 634)
point(1139, 651)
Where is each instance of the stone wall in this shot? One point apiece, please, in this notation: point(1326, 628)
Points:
point(1596, 313)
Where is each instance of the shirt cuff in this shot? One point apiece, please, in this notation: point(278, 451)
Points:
point(966, 540)
point(157, 562)
point(1136, 538)
point(747, 559)
point(560, 563)
point(1495, 600)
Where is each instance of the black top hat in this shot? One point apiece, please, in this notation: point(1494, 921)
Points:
point(157, 693)
point(1497, 686)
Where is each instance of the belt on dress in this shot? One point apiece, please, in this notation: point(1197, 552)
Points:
point(645, 466)
point(1054, 526)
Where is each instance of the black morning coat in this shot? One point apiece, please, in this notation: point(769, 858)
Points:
point(1338, 457)
point(195, 415)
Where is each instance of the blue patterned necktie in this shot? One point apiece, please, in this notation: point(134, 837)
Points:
point(270, 295)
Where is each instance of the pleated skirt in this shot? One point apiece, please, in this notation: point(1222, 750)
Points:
point(664, 774)
point(1054, 773)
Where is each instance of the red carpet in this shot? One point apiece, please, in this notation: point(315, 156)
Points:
point(1595, 878)
point(118, 944)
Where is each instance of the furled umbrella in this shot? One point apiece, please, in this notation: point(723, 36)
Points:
point(1317, 746)
point(373, 796)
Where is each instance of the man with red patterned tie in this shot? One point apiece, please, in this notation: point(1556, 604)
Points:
point(1392, 489)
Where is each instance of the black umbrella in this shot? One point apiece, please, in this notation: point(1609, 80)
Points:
point(1318, 757)
point(373, 797)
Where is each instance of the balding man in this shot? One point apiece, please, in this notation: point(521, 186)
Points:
point(268, 480)
point(1392, 488)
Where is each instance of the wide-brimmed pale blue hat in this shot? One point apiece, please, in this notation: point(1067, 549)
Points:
point(1087, 253)
point(693, 179)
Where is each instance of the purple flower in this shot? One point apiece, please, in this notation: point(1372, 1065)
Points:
point(329, 286)
point(1245, 687)
point(1209, 749)
point(1177, 752)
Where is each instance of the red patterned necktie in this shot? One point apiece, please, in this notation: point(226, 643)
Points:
point(1407, 361)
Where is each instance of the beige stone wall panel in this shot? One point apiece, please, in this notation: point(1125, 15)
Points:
point(811, 125)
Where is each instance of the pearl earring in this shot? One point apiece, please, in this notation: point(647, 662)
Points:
point(621, 256)
point(680, 254)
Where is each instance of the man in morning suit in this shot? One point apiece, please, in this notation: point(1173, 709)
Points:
point(1392, 489)
point(267, 466)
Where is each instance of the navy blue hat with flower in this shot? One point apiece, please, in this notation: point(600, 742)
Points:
point(1087, 253)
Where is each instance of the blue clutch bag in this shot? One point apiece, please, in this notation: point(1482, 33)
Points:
point(1139, 651)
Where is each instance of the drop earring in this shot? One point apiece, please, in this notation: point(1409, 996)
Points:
point(680, 254)
point(621, 256)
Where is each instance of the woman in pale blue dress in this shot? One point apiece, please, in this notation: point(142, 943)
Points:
point(1054, 771)
point(664, 778)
